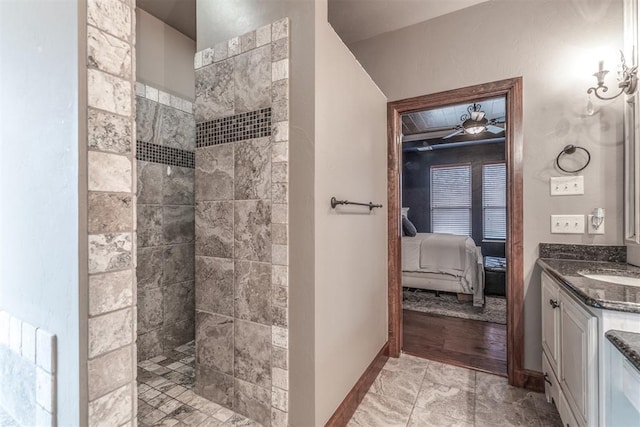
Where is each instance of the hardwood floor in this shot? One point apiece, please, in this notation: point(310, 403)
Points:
point(468, 343)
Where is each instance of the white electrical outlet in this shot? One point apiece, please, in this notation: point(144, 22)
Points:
point(567, 185)
point(567, 224)
point(591, 229)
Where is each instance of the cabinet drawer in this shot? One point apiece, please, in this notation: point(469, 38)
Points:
point(551, 321)
point(551, 383)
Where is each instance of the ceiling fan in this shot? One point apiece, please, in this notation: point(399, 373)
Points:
point(475, 122)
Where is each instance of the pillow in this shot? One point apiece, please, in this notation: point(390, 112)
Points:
point(408, 228)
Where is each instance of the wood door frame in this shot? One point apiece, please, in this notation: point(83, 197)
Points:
point(511, 89)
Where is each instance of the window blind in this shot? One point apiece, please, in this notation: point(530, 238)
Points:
point(494, 201)
point(451, 199)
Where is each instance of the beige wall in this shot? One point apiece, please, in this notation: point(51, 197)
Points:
point(551, 44)
point(351, 253)
point(164, 56)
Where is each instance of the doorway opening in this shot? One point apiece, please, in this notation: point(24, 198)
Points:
point(439, 218)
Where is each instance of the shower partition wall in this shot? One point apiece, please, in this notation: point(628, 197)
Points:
point(241, 231)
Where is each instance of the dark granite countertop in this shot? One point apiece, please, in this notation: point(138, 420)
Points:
point(596, 293)
point(628, 343)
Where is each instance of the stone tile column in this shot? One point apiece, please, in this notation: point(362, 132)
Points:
point(111, 239)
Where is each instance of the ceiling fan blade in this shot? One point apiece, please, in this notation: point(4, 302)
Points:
point(459, 131)
point(494, 129)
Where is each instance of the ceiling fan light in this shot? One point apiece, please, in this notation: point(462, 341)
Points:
point(475, 129)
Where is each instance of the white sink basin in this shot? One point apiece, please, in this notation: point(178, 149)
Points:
point(621, 280)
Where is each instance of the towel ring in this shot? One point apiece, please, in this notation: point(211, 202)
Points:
point(571, 149)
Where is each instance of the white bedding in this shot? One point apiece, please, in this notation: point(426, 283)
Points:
point(447, 254)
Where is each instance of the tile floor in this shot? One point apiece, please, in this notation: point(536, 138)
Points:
point(166, 398)
point(417, 392)
point(409, 392)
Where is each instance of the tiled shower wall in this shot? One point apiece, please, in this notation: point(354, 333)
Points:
point(111, 352)
point(165, 146)
point(242, 113)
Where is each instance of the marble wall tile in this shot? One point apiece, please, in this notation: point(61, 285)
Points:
point(214, 229)
point(220, 52)
point(280, 316)
point(146, 117)
point(108, 132)
point(248, 41)
point(110, 331)
point(233, 47)
point(214, 385)
point(178, 224)
point(280, 193)
point(149, 344)
point(252, 401)
point(178, 187)
point(280, 49)
point(149, 229)
point(280, 254)
point(279, 399)
point(113, 409)
point(279, 418)
point(214, 91)
point(109, 172)
point(279, 234)
point(280, 152)
point(281, 131)
point(280, 275)
point(110, 15)
point(214, 285)
point(150, 303)
point(152, 93)
point(214, 173)
point(110, 371)
point(149, 268)
point(253, 292)
point(207, 57)
point(150, 177)
point(279, 337)
point(263, 35)
point(280, 213)
point(179, 263)
point(252, 170)
point(178, 333)
point(252, 233)
point(110, 291)
point(179, 303)
point(279, 357)
point(109, 252)
point(280, 296)
point(17, 380)
point(214, 335)
point(108, 53)
point(46, 353)
point(280, 29)
point(110, 212)
point(175, 128)
point(109, 93)
point(252, 80)
point(280, 172)
point(280, 70)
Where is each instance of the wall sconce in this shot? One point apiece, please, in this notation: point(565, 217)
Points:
point(627, 80)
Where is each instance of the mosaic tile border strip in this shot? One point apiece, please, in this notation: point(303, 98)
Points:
point(155, 153)
point(164, 98)
point(251, 125)
point(22, 343)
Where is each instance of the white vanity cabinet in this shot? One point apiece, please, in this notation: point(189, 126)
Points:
point(570, 359)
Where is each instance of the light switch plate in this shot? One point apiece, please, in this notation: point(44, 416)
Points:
point(567, 224)
point(567, 185)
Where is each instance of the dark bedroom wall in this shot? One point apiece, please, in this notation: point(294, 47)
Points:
point(416, 183)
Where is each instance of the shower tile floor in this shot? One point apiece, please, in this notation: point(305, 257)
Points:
point(166, 397)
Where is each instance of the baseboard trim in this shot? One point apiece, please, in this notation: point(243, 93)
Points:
point(533, 380)
point(345, 411)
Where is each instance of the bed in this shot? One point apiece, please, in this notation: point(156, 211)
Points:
point(443, 262)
